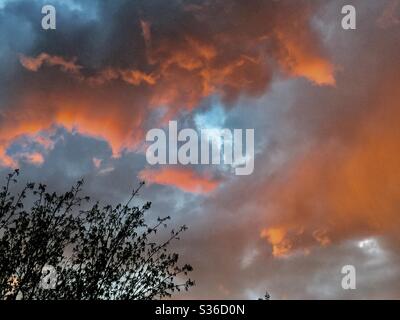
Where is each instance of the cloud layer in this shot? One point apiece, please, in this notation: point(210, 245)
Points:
point(323, 101)
point(172, 64)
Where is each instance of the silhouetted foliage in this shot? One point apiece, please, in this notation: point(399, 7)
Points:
point(267, 296)
point(104, 252)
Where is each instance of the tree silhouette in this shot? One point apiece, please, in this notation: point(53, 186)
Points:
point(58, 249)
point(266, 296)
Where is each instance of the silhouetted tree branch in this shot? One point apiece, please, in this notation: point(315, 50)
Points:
point(104, 252)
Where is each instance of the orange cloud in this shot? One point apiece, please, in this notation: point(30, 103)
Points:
point(136, 77)
point(34, 64)
point(183, 67)
point(281, 245)
point(342, 190)
point(34, 158)
point(298, 60)
point(133, 77)
point(185, 179)
point(101, 115)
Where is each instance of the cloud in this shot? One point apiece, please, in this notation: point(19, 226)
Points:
point(337, 174)
point(157, 64)
point(34, 158)
point(326, 181)
point(97, 162)
point(34, 64)
point(296, 59)
point(277, 238)
point(185, 179)
point(133, 77)
point(358, 186)
point(390, 15)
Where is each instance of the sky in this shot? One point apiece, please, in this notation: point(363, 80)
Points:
point(77, 102)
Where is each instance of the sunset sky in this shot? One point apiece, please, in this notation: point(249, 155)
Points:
point(324, 102)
